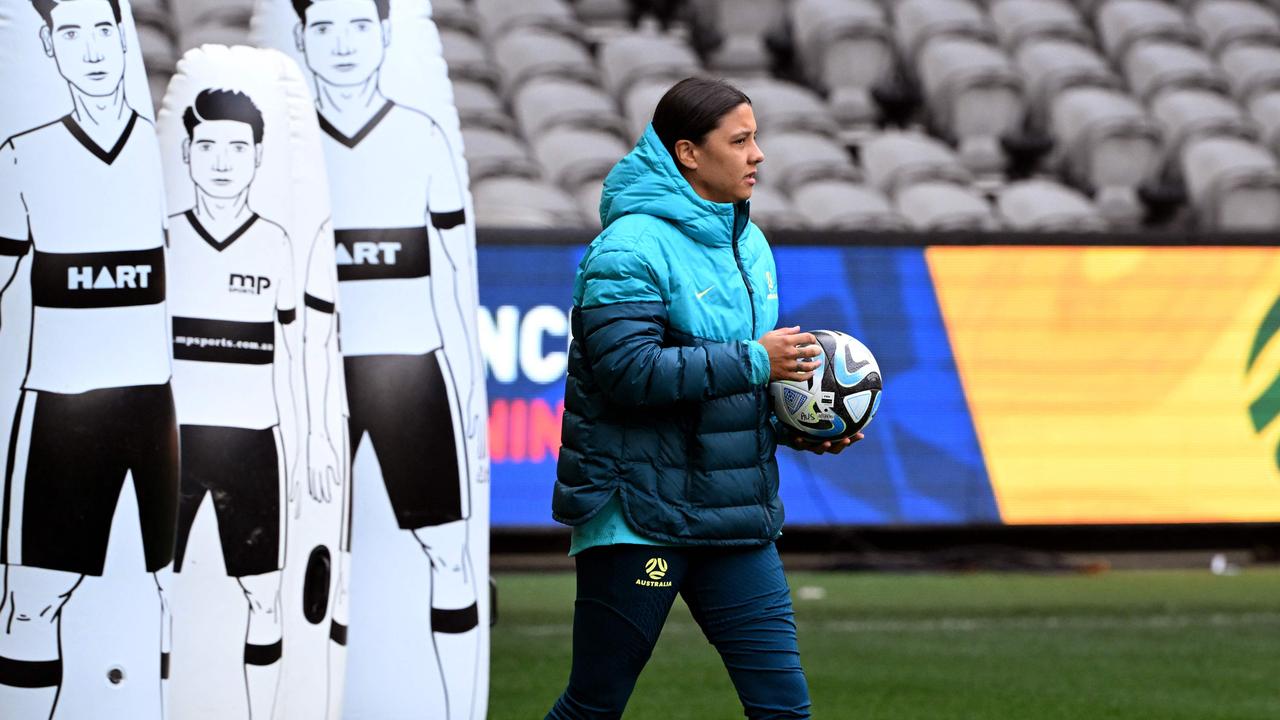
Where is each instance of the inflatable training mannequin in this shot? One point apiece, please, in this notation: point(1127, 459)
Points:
point(225, 138)
point(84, 369)
point(405, 263)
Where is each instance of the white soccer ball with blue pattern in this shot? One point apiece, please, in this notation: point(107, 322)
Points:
point(841, 396)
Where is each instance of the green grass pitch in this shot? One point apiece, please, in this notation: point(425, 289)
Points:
point(1149, 645)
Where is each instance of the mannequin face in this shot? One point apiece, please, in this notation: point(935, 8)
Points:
point(87, 44)
point(723, 167)
point(223, 157)
point(344, 41)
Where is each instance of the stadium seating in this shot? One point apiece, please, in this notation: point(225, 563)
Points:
point(1185, 116)
point(627, 59)
point(742, 25)
point(1224, 23)
point(772, 210)
point(479, 106)
point(1251, 69)
point(1018, 21)
point(1264, 109)
point(794, 158)
point(1130, 95)
point(523, 203)
point(572, 156)
point(1124, 24)
point(916, 22)
point(974, 97)
point(467, 57)
point(529, 54)
point(841, 205)
point(895, 160)
point(934, 205)
point(845, 47)
point(1153, 68)
point(1048, 67)
point(497, 18)
point(1044, 205)
point(548, 102)
point(493, 153)
point(1234, 184)
point(782, 106)
point(1107, 145)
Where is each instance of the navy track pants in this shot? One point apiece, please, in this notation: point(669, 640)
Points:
point(738, 596)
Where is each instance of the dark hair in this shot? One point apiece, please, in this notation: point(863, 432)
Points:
point(692, 108)
point(45, 8)
point(223, 105)
point(300, 7)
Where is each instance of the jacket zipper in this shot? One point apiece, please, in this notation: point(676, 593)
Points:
point(751, 300)
point(737, 259)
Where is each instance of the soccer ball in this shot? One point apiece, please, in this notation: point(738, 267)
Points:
point(841, 396)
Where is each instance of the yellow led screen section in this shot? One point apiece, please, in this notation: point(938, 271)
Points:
point(1120, 385)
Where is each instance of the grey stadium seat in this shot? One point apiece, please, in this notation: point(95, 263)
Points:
point(1251, 69)
point(845, 47)
point(1046, 206)
point(1123, 24)
point(1106, 143)
point(491, 153)
point(937, 205)
point(1156, 67)
point(1233, 184)
point(188, 15)
point(523, 203)
point(528, 54)
point(1185, 116)
point(454, 15)
point(548, 102)
point(1017, 21)
point(1050, 66)
point(587, 198)
point(500, 17)
point(772, 210)
point(628, 59)
point(843, 205)
point(743, 24)
point(467, 57)
point(159, 52)
point(897, 160)
point(916, 22)
point(155, 12)
point(1264, 109)
point(479, 106)
point(1223, 23)
point(611, 13)
point(781, 106)
point(640, 101)
point(571, 157)
point(974, 97)
point(796, 158)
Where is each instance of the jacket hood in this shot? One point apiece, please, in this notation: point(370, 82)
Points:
point(647, 182)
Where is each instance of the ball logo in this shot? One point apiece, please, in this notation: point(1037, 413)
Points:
point(656, 568)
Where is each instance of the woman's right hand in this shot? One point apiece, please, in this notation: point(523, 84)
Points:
point(793, 355)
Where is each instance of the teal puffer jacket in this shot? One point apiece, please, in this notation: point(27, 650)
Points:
point(665, 400)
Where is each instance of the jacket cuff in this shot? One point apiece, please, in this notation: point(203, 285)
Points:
point(759, 363)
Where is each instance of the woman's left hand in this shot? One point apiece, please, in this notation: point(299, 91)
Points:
point(796, 441)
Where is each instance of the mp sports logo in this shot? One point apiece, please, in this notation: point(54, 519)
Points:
point(656, 569)
point(1264, 410)
point(254, 284)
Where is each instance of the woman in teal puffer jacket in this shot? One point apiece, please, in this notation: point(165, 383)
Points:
point(666, 472)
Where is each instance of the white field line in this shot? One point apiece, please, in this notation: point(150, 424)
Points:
point(974, 624)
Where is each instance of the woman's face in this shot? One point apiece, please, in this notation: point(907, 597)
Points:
point(723, 167)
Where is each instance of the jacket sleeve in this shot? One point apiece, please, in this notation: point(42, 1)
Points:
point(624, 321)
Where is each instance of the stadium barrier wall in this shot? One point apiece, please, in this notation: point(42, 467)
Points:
point(1031, 380)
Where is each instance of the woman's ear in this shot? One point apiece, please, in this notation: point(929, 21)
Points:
point(686, 154)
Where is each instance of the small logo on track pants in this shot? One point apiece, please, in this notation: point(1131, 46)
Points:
point(656, 569)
